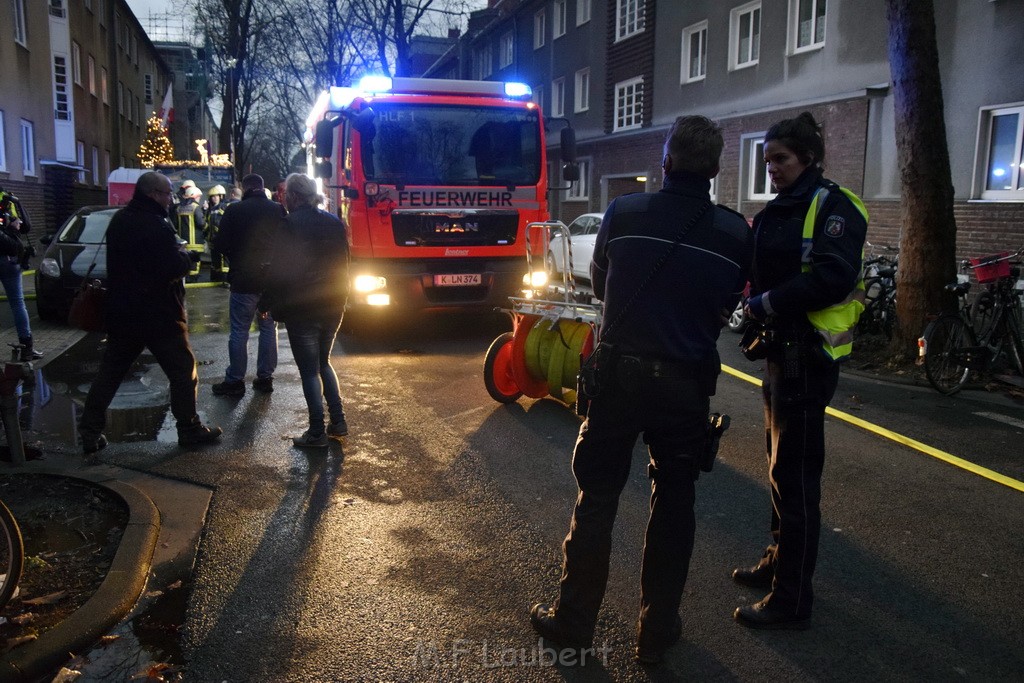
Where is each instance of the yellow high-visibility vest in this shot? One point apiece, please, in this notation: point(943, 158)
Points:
point(835, 323)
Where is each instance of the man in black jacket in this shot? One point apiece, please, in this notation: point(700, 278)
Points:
point(146, 310)
point(244, 238)
point(669, 267)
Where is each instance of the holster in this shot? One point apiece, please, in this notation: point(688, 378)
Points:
point(716, 426)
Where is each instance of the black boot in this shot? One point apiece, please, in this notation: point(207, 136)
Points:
point(27, 352)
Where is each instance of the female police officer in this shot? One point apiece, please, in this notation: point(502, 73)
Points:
point(807, 266)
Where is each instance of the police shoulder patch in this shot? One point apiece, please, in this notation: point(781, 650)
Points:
point(834, 226)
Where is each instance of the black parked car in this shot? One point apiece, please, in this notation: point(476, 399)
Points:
point(78, 245)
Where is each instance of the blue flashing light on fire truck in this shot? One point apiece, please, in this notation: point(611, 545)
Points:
point(437, 180)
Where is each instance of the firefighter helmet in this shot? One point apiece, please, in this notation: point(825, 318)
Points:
point(187, 184)
point(216, 189)
point(193, 193)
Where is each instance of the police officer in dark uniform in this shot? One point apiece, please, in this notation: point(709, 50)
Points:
point(807, 266)
point(665, 304)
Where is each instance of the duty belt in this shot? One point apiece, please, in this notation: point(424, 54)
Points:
point(658, 368)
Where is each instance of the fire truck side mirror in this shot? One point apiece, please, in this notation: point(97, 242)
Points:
point(323, 169)
point(350, 193)
point(568, 145)
point(570, 171)
point(324, 139)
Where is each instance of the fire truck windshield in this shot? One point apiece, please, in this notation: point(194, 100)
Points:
point(429, 144)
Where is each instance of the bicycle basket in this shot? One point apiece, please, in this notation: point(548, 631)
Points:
point(987, 269)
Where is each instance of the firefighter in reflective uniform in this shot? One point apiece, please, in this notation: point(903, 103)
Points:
point(214, 212)
point(191, 224)
point(807, 287)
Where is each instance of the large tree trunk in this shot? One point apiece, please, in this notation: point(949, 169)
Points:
point(928, 242)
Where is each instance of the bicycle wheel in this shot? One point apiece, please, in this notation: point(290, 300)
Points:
point(12, 554)
point(945, 359)
point(983, 314)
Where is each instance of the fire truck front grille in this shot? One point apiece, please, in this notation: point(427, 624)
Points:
point(455, 229)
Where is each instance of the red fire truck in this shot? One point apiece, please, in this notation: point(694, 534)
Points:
point(437, 180)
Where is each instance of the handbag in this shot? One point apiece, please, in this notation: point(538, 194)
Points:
point(88, 308)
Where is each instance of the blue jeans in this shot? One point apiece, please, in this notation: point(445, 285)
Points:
point(10, 276)
point(242, 309)
point(311, 342)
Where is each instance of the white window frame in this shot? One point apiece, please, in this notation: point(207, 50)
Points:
point(3, 143)
point(539, 27)
point(628, 104)
point(698, 32)
point(584, 10)
point(580, 190)
point(57, 8)
point(61, 96)
point(483, 62)
point(629, 18)
point(506, 50)
point(28, 148)
point(558, 97)
point(559, 19)
point(91, 61)
point(1016, 191)
point(80, 158)
point(76, 63)
point(752, 54)
point(581, 93)
point(95, 165)
point(759, 184)
point(20, 26)
point(816, 24)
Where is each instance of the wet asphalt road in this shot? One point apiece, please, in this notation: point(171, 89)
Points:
point(414, 550)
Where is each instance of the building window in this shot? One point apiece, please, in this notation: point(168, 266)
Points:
point(28, 148)
point(88, 5)
point(583, 11)
point(744, 35)
point(148, 80)
point(135, 49)
point(558, 97)
point(629, 18)
point(581, 100)
point(20, 30)
point(120, 98)
point(538, 96)
point(105, 170)
point(482, 63)
point(80, 158)
point(806, 24)
point(629, 104)
point(76, 62)
point(131, 105)
point(103, 85)
point(1002, 144)
point(506, 50)
point(580, 190)
point(695, 53)
point(539, 27)
point(101, 6)
point(558, 19)
point(760, 185)
point(92, 75)
point(3, 143)
point(57, 8)
point(95, 166)
point(61, 111)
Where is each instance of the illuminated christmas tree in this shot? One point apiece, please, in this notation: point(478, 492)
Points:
point(156, 148)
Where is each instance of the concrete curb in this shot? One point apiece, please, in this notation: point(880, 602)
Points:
point(113, 600)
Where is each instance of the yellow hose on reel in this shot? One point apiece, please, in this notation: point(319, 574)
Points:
point(552, 353)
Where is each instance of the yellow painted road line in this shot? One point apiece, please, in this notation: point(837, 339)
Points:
point(905, 440)
point(202, 285)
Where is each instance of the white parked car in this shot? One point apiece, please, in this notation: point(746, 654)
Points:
point(582, 234)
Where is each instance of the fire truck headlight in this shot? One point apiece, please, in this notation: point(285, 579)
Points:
point(369, 283)
point(536, 279)
point(371, 189)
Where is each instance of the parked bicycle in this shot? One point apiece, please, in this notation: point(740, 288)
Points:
point(879, 316)
point(12, 555)
point(956, 345)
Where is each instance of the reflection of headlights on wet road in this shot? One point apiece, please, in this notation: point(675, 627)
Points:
point(49, 267)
